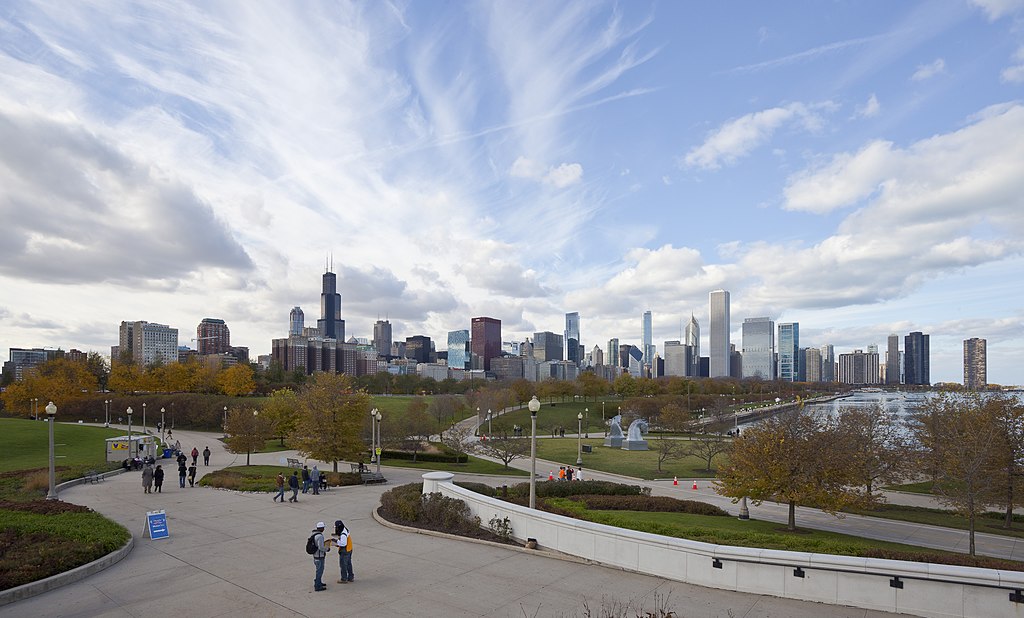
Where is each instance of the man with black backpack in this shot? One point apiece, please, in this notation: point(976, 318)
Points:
point(344, 542)
point(315, 547)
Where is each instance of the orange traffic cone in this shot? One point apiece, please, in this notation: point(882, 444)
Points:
point(695, 484)
point(675, 480)
point(551, 475)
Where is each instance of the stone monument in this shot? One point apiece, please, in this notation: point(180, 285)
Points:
point(634, 439)
point(614, 438)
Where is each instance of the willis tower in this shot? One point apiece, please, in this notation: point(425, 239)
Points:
point(330, 323)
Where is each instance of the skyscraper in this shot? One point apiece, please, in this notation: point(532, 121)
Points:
point(758, 348)
point(975, 363)
point(892, 360)
point(789, 349)
point(572, 337)
point(858, 368)
point(813, 364)
point(547, 346)
point(213, 337)
point(677, 358)
point(647, 338)
point(718, 303)
point(296, 321)
point(458, 349)
point(145, 343)
point(485, 342)
point(330, 323)
point(612, 357)
point(382, 337)
point(691, 338)
point(916, 361)
point(828, 363)
point(418, 348)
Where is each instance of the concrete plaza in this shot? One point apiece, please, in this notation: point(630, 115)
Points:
point(238, 554)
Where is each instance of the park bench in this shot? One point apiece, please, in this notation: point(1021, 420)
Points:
point(294, 463)
point(370, 478)
point(93, 476)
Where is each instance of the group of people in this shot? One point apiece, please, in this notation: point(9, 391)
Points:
point(153, 477)
point(342, 539)
point(567, 473)
point(311, 479)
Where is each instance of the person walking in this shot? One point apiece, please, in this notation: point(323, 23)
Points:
point(319, 556)
point(182, 471)
point(195, 455)
point(293, 484)
point(305, 479)
point(147, 479)
point(206, 456)
point(344, 552)
point(280, 488)
point(181, 458)
point(158, 479)
point(192, 475)
point(568, 473)
point(314, 478)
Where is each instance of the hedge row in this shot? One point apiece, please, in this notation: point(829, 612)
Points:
point(429, 457)
point(659, 504)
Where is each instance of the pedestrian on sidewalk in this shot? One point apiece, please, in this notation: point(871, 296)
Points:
point(293, 484)
point(158, 479)
point(192, 475)
point(344, 541)
point(568, 473)
point(147, 479)
point(181, 458)
point(314, 478)
point(195, 455)
point(319, 556)
point(305, 479)
point(182, 471)
point(206, 456)
point(280, 488)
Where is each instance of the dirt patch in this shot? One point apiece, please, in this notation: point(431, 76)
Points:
point(44, 507)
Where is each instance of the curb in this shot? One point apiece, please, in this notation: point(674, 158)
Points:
point(53, 582)
point(82, 480)
point(546, 553)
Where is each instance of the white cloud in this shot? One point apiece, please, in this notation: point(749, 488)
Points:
point(996, 9)
point(927, 71)
point(869, 109)
point(738, 137)
point(560, 177)
point(1015, 74)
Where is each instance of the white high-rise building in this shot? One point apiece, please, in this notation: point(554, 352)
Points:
point(676, 360)
point(691, 338)
point(759, 348)
point(647, 339)
point(718, 304)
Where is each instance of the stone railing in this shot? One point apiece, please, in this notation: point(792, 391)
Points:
point(871, 583)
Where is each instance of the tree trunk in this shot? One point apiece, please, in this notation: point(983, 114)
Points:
point(1008, 523)
point(792, 522)
point(335, 465)
point(970, 520)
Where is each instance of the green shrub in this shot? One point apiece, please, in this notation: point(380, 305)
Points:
point(661, 504)
point(562, 489)
point(264, 478)
point(480, 488)
point(426, 457)
point(983, 562)
point(403, 503)
point(407, 504)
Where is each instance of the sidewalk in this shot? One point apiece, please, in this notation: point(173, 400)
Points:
point(235, 554)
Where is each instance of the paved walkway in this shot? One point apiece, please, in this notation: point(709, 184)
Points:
point(234, 554)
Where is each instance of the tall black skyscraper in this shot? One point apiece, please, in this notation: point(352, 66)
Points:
point(916, 363)
point(330, 322)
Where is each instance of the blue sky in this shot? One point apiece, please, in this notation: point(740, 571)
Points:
point(853, 166)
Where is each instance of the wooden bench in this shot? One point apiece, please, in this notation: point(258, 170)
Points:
point(92, 476)
point(358, 468)
point(370, 478)
point(293, 463)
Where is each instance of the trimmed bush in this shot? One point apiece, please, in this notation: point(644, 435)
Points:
point(563, 489)
point(661, 504)
point(480, 488)
point(983, 562)
point(264, 478)
point(426, 457)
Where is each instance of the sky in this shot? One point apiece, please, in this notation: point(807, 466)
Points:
point(857, 167)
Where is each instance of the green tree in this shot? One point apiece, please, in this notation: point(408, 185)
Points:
point(330, 417)
point(796, 458)
point(247, 432)
point(282, 406)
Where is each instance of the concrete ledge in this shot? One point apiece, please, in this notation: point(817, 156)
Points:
point(32, 589)
point(83, 480)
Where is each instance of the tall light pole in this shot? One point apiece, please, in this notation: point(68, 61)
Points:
point(143, 417)
point(373, 435)
point(163, 426)
point(380, 448)
point(35, 408)
point(131, 455)
point(488, 422)
point(478, 415)
point(255, 413)
point(51, 416)
point(225, 427)
point(602, 412)
point(586, 415)
point(579, 439)
point(106, 415)
point(534, 407)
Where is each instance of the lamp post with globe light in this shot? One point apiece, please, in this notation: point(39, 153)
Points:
point(51, 416)
point(579, 439)
point(380, 449)
point(131, 457)
point(534, 407)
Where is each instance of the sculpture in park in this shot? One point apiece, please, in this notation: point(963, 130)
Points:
point(634, 438)
point(614, 438)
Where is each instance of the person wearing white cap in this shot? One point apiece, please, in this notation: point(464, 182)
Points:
point(319, 556)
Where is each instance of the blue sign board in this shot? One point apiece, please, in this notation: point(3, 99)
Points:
point(156, 524)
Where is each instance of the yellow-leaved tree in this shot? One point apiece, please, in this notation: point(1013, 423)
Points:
point(59, 380)
point(236, 380)
point(330, 417)
point(247, 432)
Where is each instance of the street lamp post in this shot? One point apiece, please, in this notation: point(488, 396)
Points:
point(255, 413)
point(579, 439)
point(586, 415)
point(534, 407)
point(373, 435)
point(380, 448)
point(225, 427)
point(143, 417)
point(163, 426)
point(131, 455)
point(489, 422)
point(51, 416)
point(35, 408)
point(602, 412)
point(478, 419)
point(106, 414)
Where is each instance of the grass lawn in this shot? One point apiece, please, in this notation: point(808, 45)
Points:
point(990, 523)
point(25, 444)
point(924, 487)
point(562, 415)
point(639, 464)
point(473, 466)
point(396, 405)
point(264, 478)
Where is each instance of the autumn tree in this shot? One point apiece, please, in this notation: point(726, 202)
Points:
point(503, 445)
point(957, 433)
point(415, 427)
point(458, 438)
point(880, 446)
point(445, 408)
point(247, 432)
point(236, 380)
point(666, 448)
point(282, 406)
point(125, 378)
point(59, 380)
point(1009, 416)
point(330, 416)
point(709, 441)
point(795, 457)
point(592, 385)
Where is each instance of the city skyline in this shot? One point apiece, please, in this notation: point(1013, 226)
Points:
point(851, 168)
